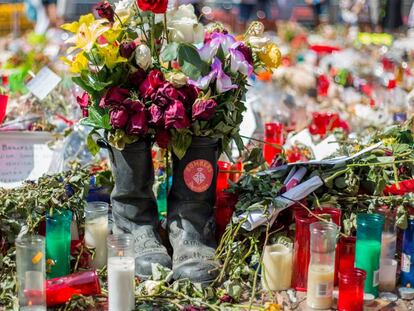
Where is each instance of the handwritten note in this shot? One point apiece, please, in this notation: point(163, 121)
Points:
point(23, 156)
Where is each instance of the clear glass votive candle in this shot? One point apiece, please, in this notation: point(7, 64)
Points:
point(31, 272)
point(387, 274)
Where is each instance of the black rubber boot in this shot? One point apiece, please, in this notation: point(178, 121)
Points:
point(134, 207)
point(191, 212)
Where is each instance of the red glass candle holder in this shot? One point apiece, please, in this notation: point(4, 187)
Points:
point(237, 169)
point(60, 290)
point(301, 252)
point(223, 175)
point(273, 135)
point(351, 290)
point(3, 106)
point(225, 203)
point(346, 250)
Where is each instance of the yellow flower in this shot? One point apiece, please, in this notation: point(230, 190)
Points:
point(110, 54)
point(77, 64)
point(270, 55)
point(84, 19)
point(272, 307)
point(112, 35)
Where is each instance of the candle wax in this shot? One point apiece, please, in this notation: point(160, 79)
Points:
point(33, 308)
point(96, 232)
point(388, 245)
point(277, 262)
point(367, 256)
point(121, 283)
point(320, 286)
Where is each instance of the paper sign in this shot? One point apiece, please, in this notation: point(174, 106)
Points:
point(23, 156)
point(43, 83)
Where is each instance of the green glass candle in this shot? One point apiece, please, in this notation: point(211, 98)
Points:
point(368, 249)
point(58, 243)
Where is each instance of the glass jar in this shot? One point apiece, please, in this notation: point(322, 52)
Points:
point(351, 290)
point(121, 272)
point(387, 274)
point(60, 290)
point(368, 249)
point(322, 265)
point(58, 237)
point(301, 252)
point(31, 272)
point(96, 231)
point(277, 261)
point(389, 235)
point(346, 250)
point(407, 256)
point(273, 135)
point(223, 175)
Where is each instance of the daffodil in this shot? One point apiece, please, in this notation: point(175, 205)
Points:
point(110, 54)
point(78, 63)
point(270, 55)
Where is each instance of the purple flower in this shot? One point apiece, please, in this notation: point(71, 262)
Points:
point(138, 124)
point(238, 62)
point(204, 109)
point(118, 117)
point(209, 50)
point(127, 48)
point(175, 116)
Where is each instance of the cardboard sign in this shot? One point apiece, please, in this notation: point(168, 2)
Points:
point(23, 156)
point(43, 83)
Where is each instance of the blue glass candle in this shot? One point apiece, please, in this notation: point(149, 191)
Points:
point(407, 257)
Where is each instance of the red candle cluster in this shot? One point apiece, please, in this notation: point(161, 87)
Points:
point(273, 135)
point(324, 122)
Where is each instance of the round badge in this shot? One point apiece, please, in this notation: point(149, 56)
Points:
point(198, 175)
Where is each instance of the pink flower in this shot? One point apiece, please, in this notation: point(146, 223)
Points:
point(164, 95)
point(175, 116)
point(156, 115)
point(204, 109)
point(138, 124)
point(153, 81)
point(118, 117)
point(83, 102)
point(114, 96)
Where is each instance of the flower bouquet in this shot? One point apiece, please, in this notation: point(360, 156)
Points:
point(149, 72)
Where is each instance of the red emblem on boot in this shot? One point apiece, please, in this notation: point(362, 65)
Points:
point(198, 175)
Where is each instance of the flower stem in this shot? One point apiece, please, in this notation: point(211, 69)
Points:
point(166, 28)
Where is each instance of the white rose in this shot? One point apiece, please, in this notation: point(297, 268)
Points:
point(258, 42)
point(152, 287)
point(143, 56)
point(177, 79)
point(183, 25)
point(123, 8)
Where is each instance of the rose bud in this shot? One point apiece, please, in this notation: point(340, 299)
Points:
point(156, 115)
point(127, 48)
point(138, 124)
point(83, 102)
point(175, 116)
point(118, 117)
point(204, 109)
point(162, 138)
point(105, 10)
point(114, 96)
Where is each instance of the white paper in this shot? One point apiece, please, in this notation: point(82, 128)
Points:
point(43, 83)
point(257, 218)
point(23, 156)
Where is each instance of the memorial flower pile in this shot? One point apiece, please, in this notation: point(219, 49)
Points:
point(149, 72)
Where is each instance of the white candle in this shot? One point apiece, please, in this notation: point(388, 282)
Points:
point(320, 286)
point(121, 283)
point(277, 261)
point(96, 232)
point(33, 308)
point(388, 244)
point(387, 274)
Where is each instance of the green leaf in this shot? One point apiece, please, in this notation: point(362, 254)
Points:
point(169, 52)
point(190, 61)
point(93, 81)
point(91, 144)
point(98, 118)
point(180, 142)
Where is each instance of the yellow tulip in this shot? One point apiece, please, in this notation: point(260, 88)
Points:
point(271, 56)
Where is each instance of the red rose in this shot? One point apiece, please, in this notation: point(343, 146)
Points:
point(127, 48)
point(154, 80)
point(105, 10)
point(164, 95)
point(175, 116)
point(133, 105)
point(188, 94)
point(204, 109)
point(118, 117)
point(155, 6)
point(114, 96)
point(162, 138)
point(136, 78)
point(138, 124)
point(156, 115)
point(83, 102)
